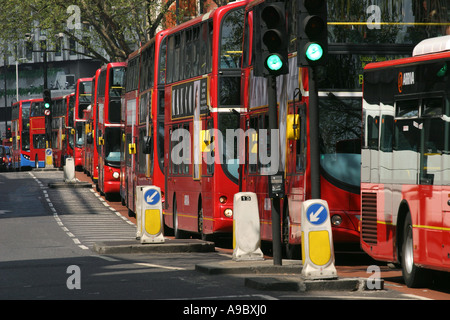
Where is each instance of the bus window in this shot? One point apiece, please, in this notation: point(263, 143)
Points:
point(231, 45)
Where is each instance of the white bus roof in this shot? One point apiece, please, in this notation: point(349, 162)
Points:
point(432, 45)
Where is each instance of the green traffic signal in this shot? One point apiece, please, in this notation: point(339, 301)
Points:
point(274, 62)
point(46, 105)
point(314, 51)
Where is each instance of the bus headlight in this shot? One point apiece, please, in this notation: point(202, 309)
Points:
point(336, 220)
point(115, 175)
point(228, 213)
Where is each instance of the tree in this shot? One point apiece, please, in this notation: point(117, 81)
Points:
point(109, 30)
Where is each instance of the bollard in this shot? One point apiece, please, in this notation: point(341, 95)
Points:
point(69, 170)
point(246, 228)
point(149, 218)
point(48, 158)
point(317, 241)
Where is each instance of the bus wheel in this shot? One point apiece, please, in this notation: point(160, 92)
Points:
point(203, 236)
point(176, 232)
point(413, 275)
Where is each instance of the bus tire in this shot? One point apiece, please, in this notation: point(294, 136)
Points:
point(176, 231)
point(203, 236)
point(413, 275)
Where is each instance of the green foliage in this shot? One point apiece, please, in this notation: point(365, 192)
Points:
point(116, 26)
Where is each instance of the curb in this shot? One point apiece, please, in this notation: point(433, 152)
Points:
point(253, 267)
point(169, 246)
point(290, 283)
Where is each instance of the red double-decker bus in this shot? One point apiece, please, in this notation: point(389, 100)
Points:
point(28, 134)
point(339, 121)
point(143, 123)
point(405, 173)
point(60, 128)
point(108, 127)
point(90, 147)
point(129, 120)
point(83, 94)
point(37, 133)
point(199, 68)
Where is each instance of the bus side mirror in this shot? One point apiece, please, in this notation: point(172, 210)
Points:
point(293, 127)
point(147, 145)
point(89, 138)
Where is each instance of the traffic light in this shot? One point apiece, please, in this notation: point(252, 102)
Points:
point(47, 102)
point(273, 40)
point(312, 33)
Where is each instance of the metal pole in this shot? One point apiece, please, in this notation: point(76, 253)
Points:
point(6, 98)
point(273, 125)
point(314, 134)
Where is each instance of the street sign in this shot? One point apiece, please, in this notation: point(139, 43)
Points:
point(47, 112)
point(152, 196)
point(317, 214)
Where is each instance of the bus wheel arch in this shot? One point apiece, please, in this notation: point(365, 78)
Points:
point(176, 231)
point(413, 275)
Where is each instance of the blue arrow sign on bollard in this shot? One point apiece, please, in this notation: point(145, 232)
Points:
point(316, 214)
point(152, 196)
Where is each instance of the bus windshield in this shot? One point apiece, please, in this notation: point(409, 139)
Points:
point(79, 134)
point(112, 146)
point(340, 146)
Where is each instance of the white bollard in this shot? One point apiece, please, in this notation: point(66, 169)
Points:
point(246, 228)
point(69, 170)
point(149, 217)
point(317, 241)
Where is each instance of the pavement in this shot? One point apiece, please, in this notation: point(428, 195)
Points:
point(258, 274)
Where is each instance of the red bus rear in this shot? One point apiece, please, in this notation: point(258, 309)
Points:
point(339, 120)
point(90, 145)
point(82, 101)
point(60, 129)
point(143, 124)
point(108, 127)
point(201, 77)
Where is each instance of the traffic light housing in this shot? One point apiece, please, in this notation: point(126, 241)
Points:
point(47, 102)
point(271, 47)
point(312, 33)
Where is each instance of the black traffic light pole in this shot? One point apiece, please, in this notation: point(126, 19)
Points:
point(273, 125)
point(314, 133)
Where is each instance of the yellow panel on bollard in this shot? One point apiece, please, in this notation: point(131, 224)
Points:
point(317, 241)
point(48, 158)
point(149, 214)
point(152, 221)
